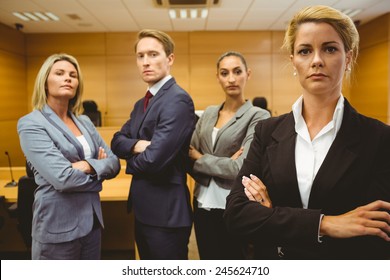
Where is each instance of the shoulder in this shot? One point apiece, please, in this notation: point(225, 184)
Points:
point(283, 124)
point(33, 118)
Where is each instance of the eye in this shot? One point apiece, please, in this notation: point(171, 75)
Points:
point(330, 49)
point(304, 51)
point(223, 73)
point(238, 71)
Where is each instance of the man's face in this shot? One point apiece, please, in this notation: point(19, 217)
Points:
point(153, 64)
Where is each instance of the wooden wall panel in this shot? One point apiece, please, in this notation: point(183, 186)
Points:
point(95, 83)
point(13, 103)
point(124, 88)
point(120, 43)
point(220, 42)
point(14, 42)
point(285, 87)
point(72, 43)
point(371, 88)
point(205, 90)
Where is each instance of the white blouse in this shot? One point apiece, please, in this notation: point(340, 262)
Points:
point(213, 196)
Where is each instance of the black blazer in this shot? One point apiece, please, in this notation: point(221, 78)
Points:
point(355, 171)
point(159, 194)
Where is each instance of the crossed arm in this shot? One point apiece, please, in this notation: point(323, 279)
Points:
point(370, 219)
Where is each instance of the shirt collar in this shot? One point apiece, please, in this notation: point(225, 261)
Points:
point(157, 86)
point(300, 124)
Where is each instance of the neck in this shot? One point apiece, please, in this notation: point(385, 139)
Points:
point(60, 108)
point(233, 104)
point(318, 112)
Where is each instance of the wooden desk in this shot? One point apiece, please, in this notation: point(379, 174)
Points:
point(116, 189)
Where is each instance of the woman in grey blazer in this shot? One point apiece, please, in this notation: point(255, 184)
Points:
point(219, 144)
point(70, 160)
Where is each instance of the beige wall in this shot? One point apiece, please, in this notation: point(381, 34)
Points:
point(111, 77)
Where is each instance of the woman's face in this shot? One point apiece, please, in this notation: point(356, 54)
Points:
point(62, 81)
point(232, 75)
point(320, 59)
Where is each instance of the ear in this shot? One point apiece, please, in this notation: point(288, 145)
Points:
point(249, 73)
point(171, 58)
point(292, 62)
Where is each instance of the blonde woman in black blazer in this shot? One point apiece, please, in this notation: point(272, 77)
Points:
point(316, 181)
point(219, 144)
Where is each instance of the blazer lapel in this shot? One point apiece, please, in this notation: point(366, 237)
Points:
point(91, 141)
point(59, 124)
point(338, 160)
point(160, 94)
point(281, 155)
point(245, 107)
point(209, 125)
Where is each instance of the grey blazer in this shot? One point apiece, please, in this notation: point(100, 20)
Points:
point(238, 132)
point(66, 199)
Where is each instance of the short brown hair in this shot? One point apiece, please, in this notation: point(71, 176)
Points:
point(162, 37)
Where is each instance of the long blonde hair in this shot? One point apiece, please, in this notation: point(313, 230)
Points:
point(39, 97)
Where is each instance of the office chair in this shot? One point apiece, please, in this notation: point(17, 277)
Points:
point(261, 102)
point(91, 110)
point(24, 212)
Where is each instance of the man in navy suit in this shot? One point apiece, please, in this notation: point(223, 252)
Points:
point(155, 143)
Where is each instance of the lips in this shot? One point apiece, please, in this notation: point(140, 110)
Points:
point(317, 75)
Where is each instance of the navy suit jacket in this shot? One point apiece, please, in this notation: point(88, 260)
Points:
point(355, 171)
point(159, 194)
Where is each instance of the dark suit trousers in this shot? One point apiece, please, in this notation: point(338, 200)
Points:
point(213, 240)
point(162, 243)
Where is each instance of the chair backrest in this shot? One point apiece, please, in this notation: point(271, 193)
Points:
point(26, 189)
point(91, 110)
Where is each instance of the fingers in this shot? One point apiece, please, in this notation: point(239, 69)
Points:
point(102, 154)
point(376, 205)
point(255, 190)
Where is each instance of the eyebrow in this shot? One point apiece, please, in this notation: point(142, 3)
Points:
point(325, 43)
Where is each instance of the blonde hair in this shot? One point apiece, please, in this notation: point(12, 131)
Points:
point(39, 97)
point(342, 24)
point(162, 37)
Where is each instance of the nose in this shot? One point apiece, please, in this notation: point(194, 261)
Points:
point(231, 78)
point(145, 60)
point(68, 78)
point(317, 60)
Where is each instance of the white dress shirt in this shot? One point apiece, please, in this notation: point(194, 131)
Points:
point(310, 154)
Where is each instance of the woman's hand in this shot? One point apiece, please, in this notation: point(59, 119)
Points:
point(85, 167)
point(255, 190)
point(237, 154)
point(194, 154)
point(102, 154)
point(370, 219)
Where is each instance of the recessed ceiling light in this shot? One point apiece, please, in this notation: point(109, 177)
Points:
point(36, 16)
point(188, 13)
